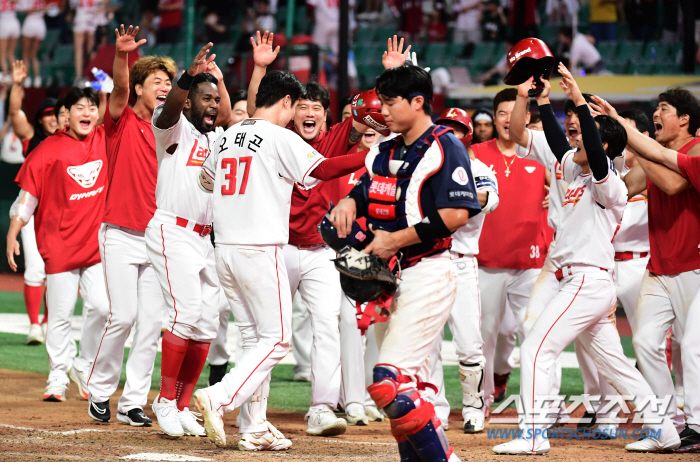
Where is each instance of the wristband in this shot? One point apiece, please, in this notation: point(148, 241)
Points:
point(185, 81)
point(433, 229)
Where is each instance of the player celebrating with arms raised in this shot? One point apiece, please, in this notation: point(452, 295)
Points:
point(430, 171)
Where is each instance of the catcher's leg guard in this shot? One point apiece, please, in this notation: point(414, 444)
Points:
point(472, 376)
point(413, 422)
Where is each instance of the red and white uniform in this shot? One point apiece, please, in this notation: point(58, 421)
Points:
point(177, 237)
point(512, 247)
point(34, 25)
point(669, 287)
point(254, 165)
point(89, 14)
point(135, 297)
point(69, 178)
point(9, 24)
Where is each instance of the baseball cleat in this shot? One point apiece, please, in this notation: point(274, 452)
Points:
point(55, 390)
point(690, 440)
point(80, 380)
point(188, 420)
point(99, 411)
point(325, 423)
point(373, 414)
point(271, 440)
point(301, 377)
point(36, 335)
point(355, 415)
point(654, 445)
point(522, 447)
point(607, 431)
point(135, 417)
point(167, 414)
point(213, 421)
point(217, 373)
point(474, 423)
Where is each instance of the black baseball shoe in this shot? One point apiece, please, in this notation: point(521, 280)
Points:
point(217, 373)
point(135, 417)
point(690, 440)
point(587, 421)
point(99, 411)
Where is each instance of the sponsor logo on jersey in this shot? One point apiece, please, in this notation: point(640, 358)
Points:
point(519, 54)
point(86, 175)
point(198, 155)
point(530, 168)
point(459, 194)
point(460, 176)
point(77, 197)
point(248, 122)
point(310, 155)
point(373, 123)
point(573, 196)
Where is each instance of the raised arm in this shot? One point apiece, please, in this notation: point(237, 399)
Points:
point(650, 149)
point(518, 118)
point(635, 180)
point(175, 101)
point(552, 130)
point(126, 43)
point(263, 55)
point(225, 110)
point(20, 125)
point(394, 56)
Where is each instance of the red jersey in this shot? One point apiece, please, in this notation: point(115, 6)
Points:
point(132, 171)
point(68, 177)
point(309, 205)
point(515, 235)
point(674, 227)
point(341, 187)
point(170, 18)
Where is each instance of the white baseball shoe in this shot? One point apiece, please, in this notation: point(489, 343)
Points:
point(521, 447)
point(190, 426)
point(36, 335)
point(474, 422)
point(270, 440)
point(213, 420)
point(355, 415)
point(168, 416)
point(80, 380)
point(373, 414)
point(654, 445)
point(323, 422)
point(56, 390)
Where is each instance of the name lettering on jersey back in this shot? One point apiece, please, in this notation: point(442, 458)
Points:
point(198, 155)
point(573, 196)
point(86, 175)
point(253, 144)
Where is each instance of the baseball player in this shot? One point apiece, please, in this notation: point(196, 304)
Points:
point(63, 182)
point(252, 169)
point(177, 237)
point(465, 317)
point(671, 281)
point(135, 299)
point(507, 278)
point(420, 221)
point(584, 257)
point(33, 33)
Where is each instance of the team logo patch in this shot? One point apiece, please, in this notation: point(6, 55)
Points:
point(530, 169)
point(86, 175)
point(248, 122)
point(310, 155)
point(197, 156)
point(460, 176)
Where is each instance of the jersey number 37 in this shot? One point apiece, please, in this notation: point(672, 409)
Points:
point(230, 167)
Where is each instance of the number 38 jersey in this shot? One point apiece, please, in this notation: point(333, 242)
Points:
point(181, 151)
point(254, 166)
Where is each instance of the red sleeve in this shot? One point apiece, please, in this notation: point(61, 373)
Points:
point(336, 141)
point(339, 166)
point(30, 176)
point(689, 167)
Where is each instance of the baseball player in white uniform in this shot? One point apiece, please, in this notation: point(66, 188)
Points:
point(177, 237)
point(584, 258)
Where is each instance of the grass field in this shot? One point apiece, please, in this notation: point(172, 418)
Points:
point(284, 394)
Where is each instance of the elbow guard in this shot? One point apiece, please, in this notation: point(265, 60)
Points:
point(492, 200)
point(24, 206)
point(205, 181)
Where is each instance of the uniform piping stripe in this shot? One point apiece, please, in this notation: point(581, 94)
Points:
point(534, 364)
point(303, 179)
point(167, 276)
point(279, 296)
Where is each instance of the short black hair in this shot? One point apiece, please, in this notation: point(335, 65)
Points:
point(570, 106)
point(407, 81)
point(509, 94)
point(75, 94)
point(60, 102)
point(201, 78)
point(613, 133)
point(275, 86)
point(238, 95)
point(567, 31)
point(535, 117)
point(347, 100)
point(314, 91)
point(685, 104)
point(640, 119)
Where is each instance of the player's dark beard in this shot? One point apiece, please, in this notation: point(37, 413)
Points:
point(197, 119)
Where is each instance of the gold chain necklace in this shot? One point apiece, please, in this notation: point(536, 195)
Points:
point(507, 164)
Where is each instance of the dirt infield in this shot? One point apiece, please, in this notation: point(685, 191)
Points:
point(31, 429)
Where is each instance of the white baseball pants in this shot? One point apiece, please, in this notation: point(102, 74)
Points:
point(371, 360)
point(352, 355)
point(313, 274)
point(262, 309)
point(34, 271)
point(628, 277)
point(302, 335)
point(584, 308)
point(501, 289)
point(419, 312)
point(505, 344)
point(61, 295)
point(219, 354)
point(663, 300)
point(135, 302)
point(186, 268)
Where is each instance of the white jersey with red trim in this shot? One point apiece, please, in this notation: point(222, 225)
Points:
point(591, 215)
point(254, 166)
point(181, 151)
point(633, 235)
point(8, 8)
point(466, 239)
point(538, 150)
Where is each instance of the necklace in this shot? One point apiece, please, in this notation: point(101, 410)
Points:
point(507, 164)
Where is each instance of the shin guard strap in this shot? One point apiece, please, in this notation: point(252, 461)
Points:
point(415, 420)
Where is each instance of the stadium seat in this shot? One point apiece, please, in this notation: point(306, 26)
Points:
point(435, 52)
point(161, 49)
point(62, 63)
point(617, 67)
point(50, 43)
point(365, 35)
point(485, 53)
point(607, 50)
point(177, 52)
point(630, 51)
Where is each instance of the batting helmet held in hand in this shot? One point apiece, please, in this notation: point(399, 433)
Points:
point(367, 110)
point(529, 57)
point(461, 117)
point(359, 237)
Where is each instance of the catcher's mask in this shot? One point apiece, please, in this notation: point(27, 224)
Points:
point(359, 237)
point(364, 277)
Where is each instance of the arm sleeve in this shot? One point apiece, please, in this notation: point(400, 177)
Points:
point(24, 206)
point(169, 136)
point(597, 159)
point(297, 158)
point(553, 132)
point(339, 166)
point(689, 167)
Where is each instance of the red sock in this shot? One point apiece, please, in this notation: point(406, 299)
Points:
point(174, 349)
point(190, 371)
point(46, 310)
point(32, 299)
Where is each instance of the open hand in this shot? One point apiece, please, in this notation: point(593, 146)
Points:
point(125, 40)
point(214, 70)
point(602, 107)
point(545, 202)
point(570, 87)
point(19, 72)
point(395, 56)
point(201, 61)
point(263, 52)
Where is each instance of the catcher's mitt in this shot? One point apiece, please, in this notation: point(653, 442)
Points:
point(364, 277)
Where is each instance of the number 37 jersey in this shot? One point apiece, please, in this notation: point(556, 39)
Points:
point(253, 167)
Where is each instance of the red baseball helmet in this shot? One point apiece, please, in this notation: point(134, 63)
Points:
point(529, 57)
point(460, 116)
point(367, 110)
